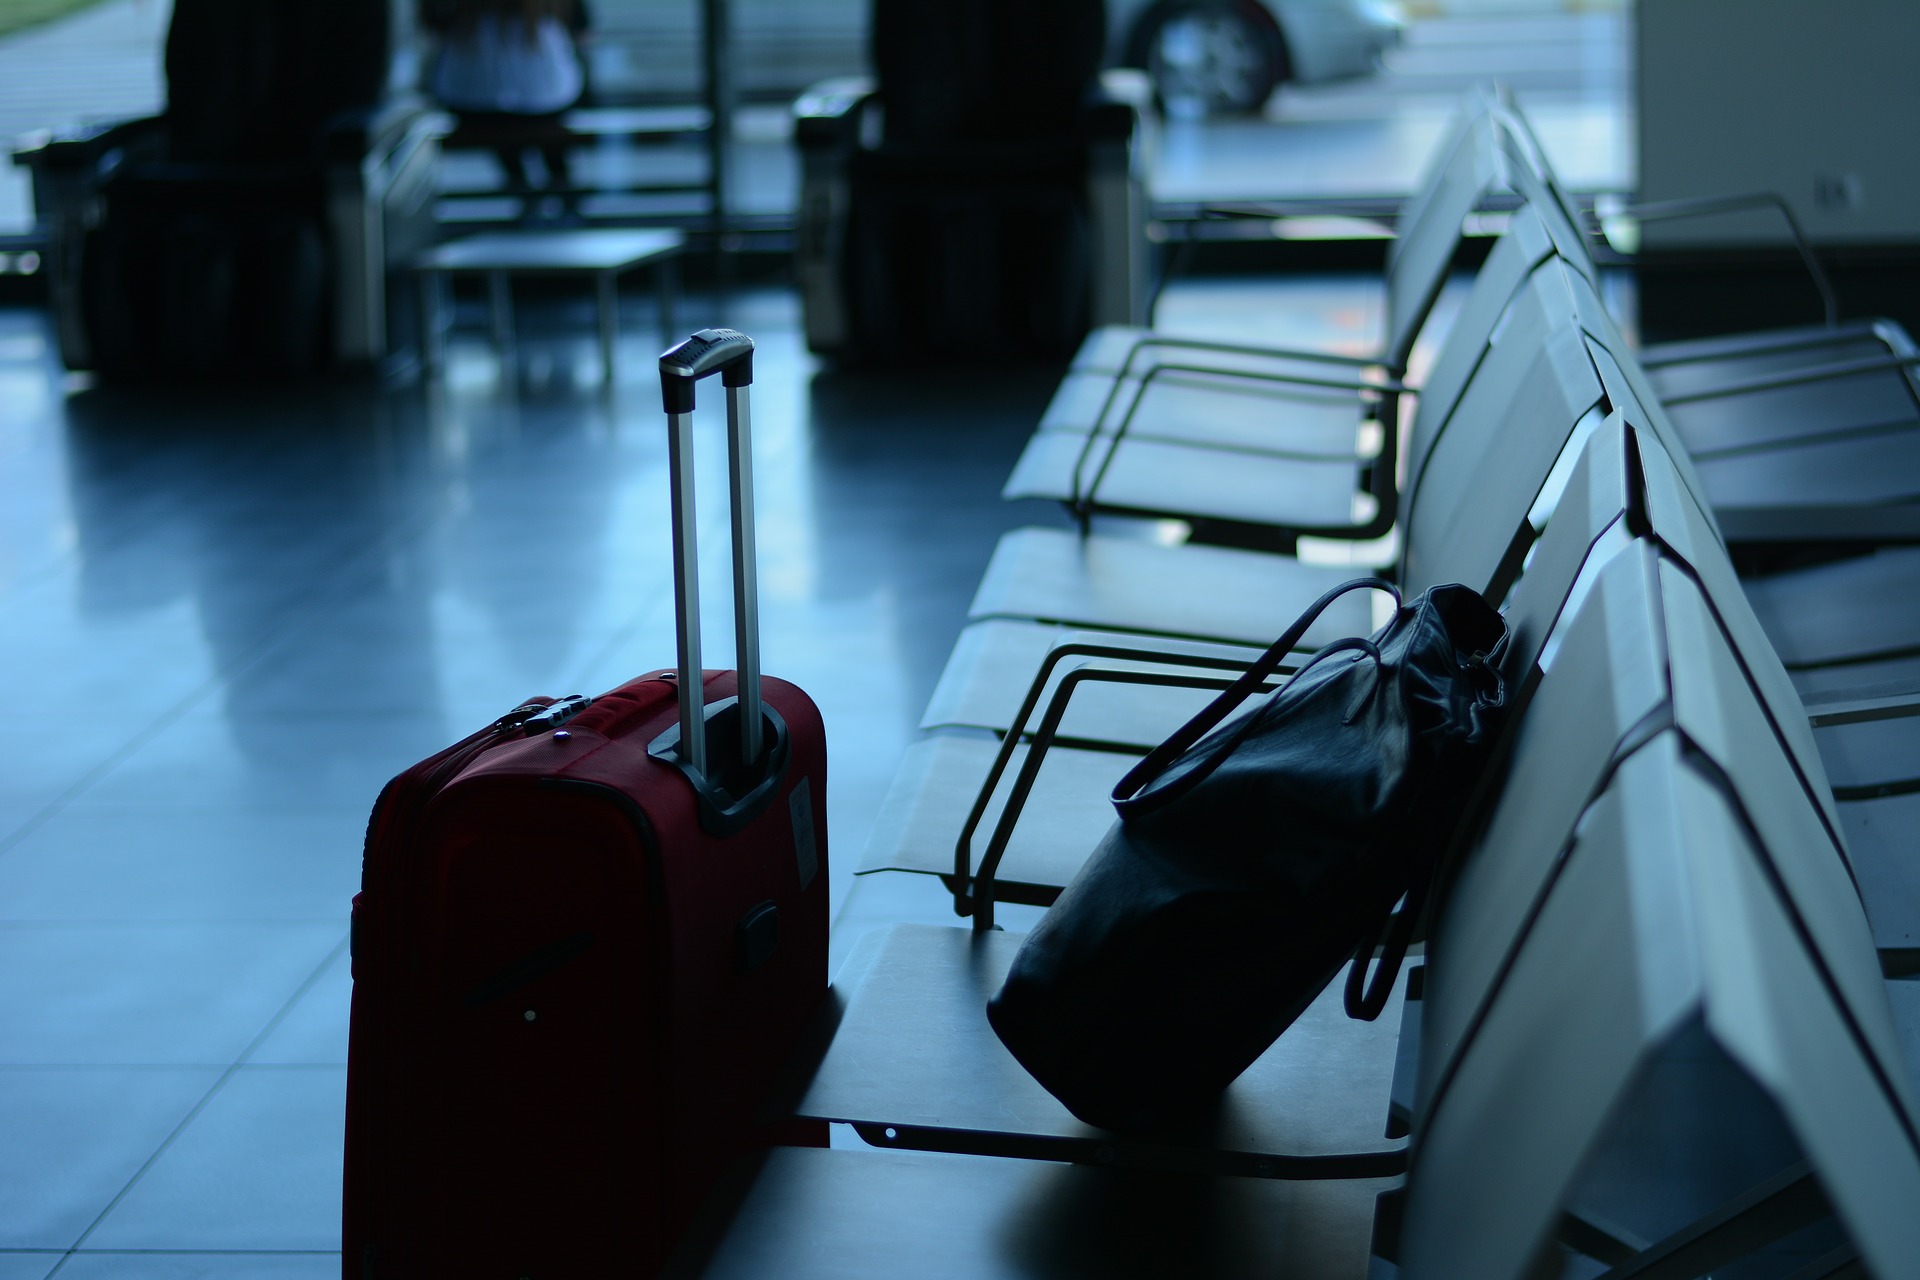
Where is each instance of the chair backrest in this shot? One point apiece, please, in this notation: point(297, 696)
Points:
point(1655, 922)
point(1589, 524)
point(1701, 655)
point(1523, 246)
point(1470, 115)
point(1533, 177)
point(1487, 148)
point(1730, 740)
point(1488, 463)
point(1660, 891)
point(1626, 381)
point(1661, 1046)
point(1606, 678)
point(1676, 519)
point(1433, 226)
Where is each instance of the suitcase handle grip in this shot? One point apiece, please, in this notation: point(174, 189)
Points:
point(727, 352)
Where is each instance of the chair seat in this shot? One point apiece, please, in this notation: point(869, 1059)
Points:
point(1882, 465)
point(1880, 834)
point(1903, 995)
point(1205, 593)
point(1893, 674)
point(1693, 364)
point(1879, 400)
point(914, 1054)
point(1873, 755)
point(811, 1214)
point(1184, 481)
point(1208, 409)
point(1842, 612)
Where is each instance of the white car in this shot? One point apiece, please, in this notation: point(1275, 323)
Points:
point(1210, 57)
point(1206, 56)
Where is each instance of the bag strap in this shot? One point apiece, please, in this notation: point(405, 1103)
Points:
point(1365, 1000)
point(1160, 797)
point(1156, 762)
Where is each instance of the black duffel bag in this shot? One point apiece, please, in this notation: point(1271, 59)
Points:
point(1250, 861)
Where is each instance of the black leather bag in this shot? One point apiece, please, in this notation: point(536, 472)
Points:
point(1251, 860)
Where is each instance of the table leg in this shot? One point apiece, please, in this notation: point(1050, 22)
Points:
point(502, 297)
point(609, 320)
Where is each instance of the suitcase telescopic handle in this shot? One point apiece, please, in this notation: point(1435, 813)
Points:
point(729, 353)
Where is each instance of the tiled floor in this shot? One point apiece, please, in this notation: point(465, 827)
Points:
point(229, 617)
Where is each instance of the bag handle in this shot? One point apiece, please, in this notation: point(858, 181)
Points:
point(1161, 757)
point(1365, 1000)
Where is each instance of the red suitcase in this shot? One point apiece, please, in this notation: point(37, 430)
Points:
point(587, 939)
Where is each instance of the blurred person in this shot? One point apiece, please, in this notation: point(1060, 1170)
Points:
point(508, 70)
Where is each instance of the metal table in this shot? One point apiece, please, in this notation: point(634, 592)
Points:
point(604, 254)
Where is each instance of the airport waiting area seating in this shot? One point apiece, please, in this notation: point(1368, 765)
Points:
point(260, 225)
point(1665, 1020)
point(1805, 418)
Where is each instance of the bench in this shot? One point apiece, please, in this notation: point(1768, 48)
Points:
point(1618, 764)
point(1827, 416)
point(1651, 1033)
point(585, 127)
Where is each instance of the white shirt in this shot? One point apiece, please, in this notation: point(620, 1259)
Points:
point(495, 67)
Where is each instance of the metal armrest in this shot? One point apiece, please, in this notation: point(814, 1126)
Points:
point(980, 905)
point(1150, 340)
point(1388, 389)
point(966, 903)
point(1662, 210)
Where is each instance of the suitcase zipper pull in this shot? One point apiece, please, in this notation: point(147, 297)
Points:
point(545, 718)
point(517, 717)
